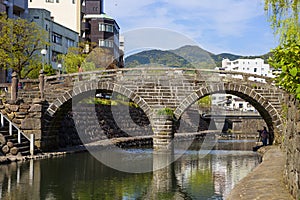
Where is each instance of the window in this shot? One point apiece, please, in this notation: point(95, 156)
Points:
point(54, 56)
point(56, 38)
point(106, 28)
point(255, 69)
point(106, 43)
point(73, 1)
point(57, 1)
point(70, 43)
point(49, 1)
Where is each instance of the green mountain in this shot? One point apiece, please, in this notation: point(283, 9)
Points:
point(159, 57)
point(183, 57)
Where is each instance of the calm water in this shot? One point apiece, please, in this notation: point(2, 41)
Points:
point(80, 176)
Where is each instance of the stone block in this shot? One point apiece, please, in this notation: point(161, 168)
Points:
point(31, 124)
point(10, 144)
point(35, 115)
point(24, 107)
point(2, 140)
point(37, 133)
point(37, 101)
point(35, 108)
point(13, 108)
point(11, 115)
point(17, 121)
point(298, 127)
point(5, 149)
point(14, 151)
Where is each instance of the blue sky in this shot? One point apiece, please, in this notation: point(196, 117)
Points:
point(231, 26)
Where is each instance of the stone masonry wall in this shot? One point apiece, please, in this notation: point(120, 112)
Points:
point(291, 144)
point(248, 126)
point(26, 116)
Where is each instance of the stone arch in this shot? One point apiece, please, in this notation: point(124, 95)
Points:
point(48, 118)
point(95, 85)
point(268, 112)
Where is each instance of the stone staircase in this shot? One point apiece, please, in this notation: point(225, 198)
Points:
point(12, 142)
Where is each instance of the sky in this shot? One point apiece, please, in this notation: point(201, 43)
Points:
point(232, 26)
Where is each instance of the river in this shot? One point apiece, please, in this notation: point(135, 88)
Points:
point(81, 176)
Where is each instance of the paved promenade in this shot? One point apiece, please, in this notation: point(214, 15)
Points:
point(265, 181)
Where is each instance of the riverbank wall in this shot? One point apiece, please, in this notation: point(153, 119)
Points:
point(291, 145)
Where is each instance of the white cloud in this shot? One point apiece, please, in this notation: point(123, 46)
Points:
point(199, 19)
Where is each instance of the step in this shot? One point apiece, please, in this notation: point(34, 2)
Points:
point(6, 132)
point(22, 144)
point(24, 148)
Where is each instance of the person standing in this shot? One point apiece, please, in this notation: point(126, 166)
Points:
point(264, 136)
point(80, 70)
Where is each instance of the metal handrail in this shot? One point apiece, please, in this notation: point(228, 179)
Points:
point(20, 133)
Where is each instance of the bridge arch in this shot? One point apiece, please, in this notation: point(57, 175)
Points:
point(268, 112)
point(88, 86)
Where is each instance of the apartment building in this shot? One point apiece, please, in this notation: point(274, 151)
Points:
point(64, 12)
point(86, 17)
point(254, 66)
point(59, 36)
point(14, 8)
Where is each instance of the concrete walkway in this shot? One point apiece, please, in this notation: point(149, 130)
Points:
point(265, 181)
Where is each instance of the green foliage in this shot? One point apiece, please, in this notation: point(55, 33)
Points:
point(20, 43)
point(284, 17)
point(287, 58)
point(97, 58)
point(74, 58)
point(205, 102)
point(102, 101)
point(183, 57)
point(88, 66)
point(166, 112)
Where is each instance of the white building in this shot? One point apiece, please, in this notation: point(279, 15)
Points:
point(251, 66)
point(232, 103)
point(64, 12)
point(254, 66)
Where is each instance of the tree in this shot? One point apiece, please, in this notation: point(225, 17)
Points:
point(20, 43)
point(75, 57)
point(97, 58)
point(287, 58)
point(284, 17)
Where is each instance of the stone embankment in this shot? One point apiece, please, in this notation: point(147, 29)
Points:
point(266, 181)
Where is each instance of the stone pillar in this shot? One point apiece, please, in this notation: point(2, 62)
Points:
point(42, 84)
point(14, 86)
point(162, 126)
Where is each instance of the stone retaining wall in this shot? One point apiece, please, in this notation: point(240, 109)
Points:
point(248, 126)
point(291, 144)
point(26, 117)
point(98, 122)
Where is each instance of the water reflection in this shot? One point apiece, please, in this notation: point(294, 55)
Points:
point(80, 176)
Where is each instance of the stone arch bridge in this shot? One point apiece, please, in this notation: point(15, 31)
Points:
point(159, 92)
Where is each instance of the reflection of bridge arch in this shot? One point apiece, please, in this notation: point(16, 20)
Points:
point(268, 112)
point(88, 86)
